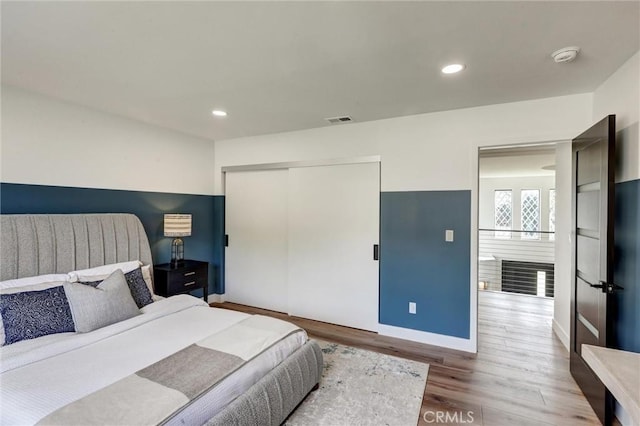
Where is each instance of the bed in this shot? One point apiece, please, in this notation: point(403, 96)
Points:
point(173, 361)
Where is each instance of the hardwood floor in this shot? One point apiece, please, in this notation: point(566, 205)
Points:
point(520, 375)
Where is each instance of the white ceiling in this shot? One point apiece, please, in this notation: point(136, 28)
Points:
point(518, 165)
point(282, 66)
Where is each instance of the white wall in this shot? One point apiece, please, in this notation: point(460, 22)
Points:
point(620, 95)
point(562, 268)
point(437, 151)
point(49, 142)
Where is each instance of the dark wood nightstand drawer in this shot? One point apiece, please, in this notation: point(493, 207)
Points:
point(187, 276)
point(187, 279)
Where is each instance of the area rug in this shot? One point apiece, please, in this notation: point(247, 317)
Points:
point(360, 387)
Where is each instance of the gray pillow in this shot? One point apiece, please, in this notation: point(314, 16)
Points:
point(137, 285)
point(96, 307)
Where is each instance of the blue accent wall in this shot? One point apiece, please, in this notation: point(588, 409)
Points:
point(205, 242)
point(627, 265)
point(417, 265)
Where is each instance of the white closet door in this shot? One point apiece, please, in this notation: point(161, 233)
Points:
point(333, 225)
point(256, 222)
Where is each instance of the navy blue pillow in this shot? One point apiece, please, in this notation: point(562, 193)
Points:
point(32, 314)
point(137, 286)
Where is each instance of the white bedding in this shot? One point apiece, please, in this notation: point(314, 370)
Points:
point(44, 374)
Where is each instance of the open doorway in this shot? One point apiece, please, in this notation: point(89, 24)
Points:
point(516, 241)
point(516, 235)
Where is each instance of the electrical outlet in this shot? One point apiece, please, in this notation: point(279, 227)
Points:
point(412, 307)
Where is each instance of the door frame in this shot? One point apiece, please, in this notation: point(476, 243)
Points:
point(475, 220)
point(288, 165)
point(293, 164)
point(303, 163)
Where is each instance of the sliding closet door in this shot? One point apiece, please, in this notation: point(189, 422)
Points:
point(333, 226)
point(256, 222)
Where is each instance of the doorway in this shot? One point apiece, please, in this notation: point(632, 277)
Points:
point(519, 275)
point(517, 221)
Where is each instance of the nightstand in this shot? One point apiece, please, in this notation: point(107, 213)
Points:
point(187, 276)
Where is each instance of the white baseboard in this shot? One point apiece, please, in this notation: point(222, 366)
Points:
point(434, 339)
point(457, 343)
point(561, 333)
point(623, 417)
point(216, 298)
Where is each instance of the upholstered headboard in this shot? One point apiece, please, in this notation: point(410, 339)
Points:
point(59, 243)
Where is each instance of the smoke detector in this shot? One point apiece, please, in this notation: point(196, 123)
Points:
point(566, 54)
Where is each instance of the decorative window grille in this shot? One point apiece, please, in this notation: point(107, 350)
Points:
point(530, 210)
point(503, 214)
point(552, 214)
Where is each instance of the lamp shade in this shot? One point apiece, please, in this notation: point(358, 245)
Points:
point(177, 225)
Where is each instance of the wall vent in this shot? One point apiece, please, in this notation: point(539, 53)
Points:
point(337, 120)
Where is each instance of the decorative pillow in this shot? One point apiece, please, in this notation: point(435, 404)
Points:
point(107, 303)
point(146, 274)
point(31, 314)
point(27, 285)
point(28, 281)
point(99, 273)
point(137, 286)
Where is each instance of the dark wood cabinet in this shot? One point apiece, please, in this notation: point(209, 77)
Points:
point(188, 275)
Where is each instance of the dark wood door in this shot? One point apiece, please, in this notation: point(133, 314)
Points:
point(592, 256)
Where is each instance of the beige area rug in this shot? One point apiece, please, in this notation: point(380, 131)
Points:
point(360, 387)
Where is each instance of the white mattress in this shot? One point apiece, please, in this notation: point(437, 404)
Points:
point(43, 375)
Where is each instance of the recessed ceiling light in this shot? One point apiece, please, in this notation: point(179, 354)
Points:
point(219, 113)
point(452, 68)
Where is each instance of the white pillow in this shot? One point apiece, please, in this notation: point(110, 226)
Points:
point(101, 272)
point(96, 307)
point(146, 275)
point(29, 281)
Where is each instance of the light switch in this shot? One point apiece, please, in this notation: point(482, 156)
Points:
point(448, 235)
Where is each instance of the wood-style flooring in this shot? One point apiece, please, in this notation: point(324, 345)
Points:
point(519, 377)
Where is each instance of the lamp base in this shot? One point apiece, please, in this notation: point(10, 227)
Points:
point(177, 252)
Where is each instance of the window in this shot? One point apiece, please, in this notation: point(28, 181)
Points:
point(503, 214)
point(530, 210)
point(552, 214)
